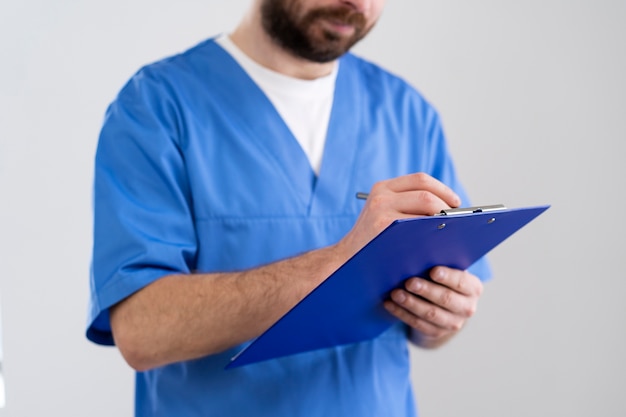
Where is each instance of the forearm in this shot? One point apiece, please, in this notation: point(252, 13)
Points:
point(182, 317)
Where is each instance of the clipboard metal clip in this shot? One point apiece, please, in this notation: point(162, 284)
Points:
point(470, 210)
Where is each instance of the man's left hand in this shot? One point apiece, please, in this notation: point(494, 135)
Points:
point(438, 308)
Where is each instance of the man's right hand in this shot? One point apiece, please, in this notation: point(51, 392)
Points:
point(412, 195)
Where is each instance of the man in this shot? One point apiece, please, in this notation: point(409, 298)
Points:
point(225, 192)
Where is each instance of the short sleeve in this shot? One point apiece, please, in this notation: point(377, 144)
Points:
point(143, 221)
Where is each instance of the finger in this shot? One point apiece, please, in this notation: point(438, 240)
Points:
point(460, 281)
point(416, 323)
point(408, 203)
point(420, 202)
point(427, 311)
point(424, 182)
point(442, 297)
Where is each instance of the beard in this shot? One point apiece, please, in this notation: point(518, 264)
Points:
point(306, 36)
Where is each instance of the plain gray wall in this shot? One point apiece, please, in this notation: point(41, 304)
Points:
point(533, 99)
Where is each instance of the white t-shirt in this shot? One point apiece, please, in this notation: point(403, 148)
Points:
point(304, 105)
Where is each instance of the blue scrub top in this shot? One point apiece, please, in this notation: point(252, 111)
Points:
point(197, 172)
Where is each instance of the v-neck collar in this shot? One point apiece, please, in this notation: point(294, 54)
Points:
point(254, 111)
point(332, 188)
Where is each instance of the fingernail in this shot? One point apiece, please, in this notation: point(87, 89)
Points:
point(416, 286)
point(398, 296)
point(439, 273)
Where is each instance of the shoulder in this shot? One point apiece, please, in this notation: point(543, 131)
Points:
point(383, 86)
point(204, 53)
point(375, 75)
point(185, 70)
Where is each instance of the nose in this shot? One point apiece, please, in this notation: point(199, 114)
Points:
point(361, 6)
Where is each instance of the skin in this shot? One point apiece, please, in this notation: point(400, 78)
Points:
point(183, 317)
point(252, 39)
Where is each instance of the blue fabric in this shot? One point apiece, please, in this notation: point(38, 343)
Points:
point(196, 171)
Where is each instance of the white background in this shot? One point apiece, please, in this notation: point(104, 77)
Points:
point(533, 99)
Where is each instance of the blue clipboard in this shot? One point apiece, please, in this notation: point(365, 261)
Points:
point(347, 307)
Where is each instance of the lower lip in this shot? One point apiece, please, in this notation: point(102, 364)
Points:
point(340, 28)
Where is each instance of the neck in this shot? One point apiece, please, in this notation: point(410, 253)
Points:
point(252, 39)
